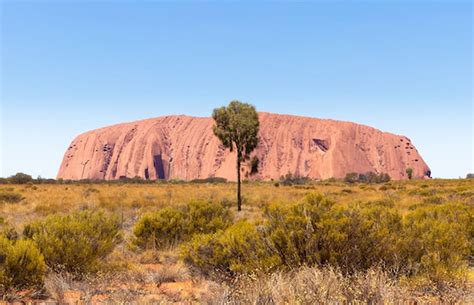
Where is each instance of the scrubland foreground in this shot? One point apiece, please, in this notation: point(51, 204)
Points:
point(317, 242)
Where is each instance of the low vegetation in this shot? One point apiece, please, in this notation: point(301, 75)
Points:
point(290, 179)
point(76, 243)
point(240, 249)
point(10, 197)
point(173, 225)
point(370, 177)
point(307, 242)
point(430, 242)
point(21, 265)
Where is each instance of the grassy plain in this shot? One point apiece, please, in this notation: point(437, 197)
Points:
point(160, 276)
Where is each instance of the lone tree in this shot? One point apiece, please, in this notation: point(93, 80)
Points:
point(409, 172)
point(237, 127)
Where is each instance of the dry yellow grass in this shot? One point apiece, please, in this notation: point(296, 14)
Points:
point(144, 276)
point(135, 199)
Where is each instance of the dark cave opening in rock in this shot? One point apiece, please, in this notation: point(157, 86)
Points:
point(159, 168)
point(321, 144)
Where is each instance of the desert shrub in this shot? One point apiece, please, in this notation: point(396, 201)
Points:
point(20, 178)
point(316, 231)
point(10, 197)
point(465, 194)
point(425, 192)
point(8, 231)
point(290, 179)
point(388, 203)
point(289, 230)
point(90, 190)
point(21, 264)
point(238, 249)
point(351, 178)
point(206, 217)
point(164, 227)
point(170, 273)
point(432, 243)
point(174, 224)
point(76, 243)
point(437, 241)
point(210, 180)
point(433, 200)
point(369, 177)
point(319, 232)
point(359, 237)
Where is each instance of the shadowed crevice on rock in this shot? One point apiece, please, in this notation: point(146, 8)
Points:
point(323, 145)
point(159, 168)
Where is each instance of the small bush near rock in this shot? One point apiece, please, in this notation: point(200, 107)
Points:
point(10, 197)
point(174, 224)
point(77, 242)
point(432, 242)
point(21, 264)
point(369, 177)
point(317, 231)
point(289, 179)
point(437, 241)
point(20, 178)
point(238, 249)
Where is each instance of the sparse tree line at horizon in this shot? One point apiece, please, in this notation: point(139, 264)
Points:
point(288, 179)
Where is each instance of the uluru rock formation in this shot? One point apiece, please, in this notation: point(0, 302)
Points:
point(184, 147)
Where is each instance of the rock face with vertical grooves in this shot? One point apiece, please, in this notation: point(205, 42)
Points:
point(184, 147)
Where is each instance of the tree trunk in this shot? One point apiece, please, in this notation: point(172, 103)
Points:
point(239, 199)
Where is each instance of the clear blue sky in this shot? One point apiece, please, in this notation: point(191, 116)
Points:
point(71, 66)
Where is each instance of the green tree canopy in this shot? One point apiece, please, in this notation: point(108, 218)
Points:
point(237, 127)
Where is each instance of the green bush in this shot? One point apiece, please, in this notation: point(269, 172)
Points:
point(20, 178)
point(432, 242)
point(369, 177)
point(290, 230)
point(319, 232)
point(207, 217)
point(238, 249)
point(162, 228)
point(289, 179)
point(210, 180)
point(77, 242)
point(351, 178)
point(21, 264)
point(359, 237)
point(10, 197)
point(438, 240)
point(8, 231)
point(174, 224)
point(316, 231)
point(433, 200)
